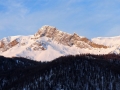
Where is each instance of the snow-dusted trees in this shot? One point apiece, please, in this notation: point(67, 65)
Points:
point(81, 72)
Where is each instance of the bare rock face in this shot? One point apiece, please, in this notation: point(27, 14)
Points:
point(5, 46)
point(13, 43)
point(2, 44)
point(65, 38)
point(38, 46)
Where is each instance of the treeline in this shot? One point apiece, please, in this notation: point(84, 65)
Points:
point(80, 72)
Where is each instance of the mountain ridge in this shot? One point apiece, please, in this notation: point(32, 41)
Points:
point(65, 38)
point(49, 43)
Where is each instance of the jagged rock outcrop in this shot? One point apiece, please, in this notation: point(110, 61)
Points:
point(38, 46)
point(2, 44)
point(65, 38)
point(5, 46)
point(13, 43)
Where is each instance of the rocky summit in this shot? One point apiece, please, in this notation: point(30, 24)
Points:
point(66, 39)
point(49, 43)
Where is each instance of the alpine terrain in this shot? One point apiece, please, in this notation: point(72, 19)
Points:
point(50, 43)
point(54, 60)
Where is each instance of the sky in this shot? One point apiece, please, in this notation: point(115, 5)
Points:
point(90, 18)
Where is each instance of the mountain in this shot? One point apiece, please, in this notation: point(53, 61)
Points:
point(50, 43)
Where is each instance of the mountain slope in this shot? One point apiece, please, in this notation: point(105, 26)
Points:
point(112, 42)
point(50, 43)
point(108, 41)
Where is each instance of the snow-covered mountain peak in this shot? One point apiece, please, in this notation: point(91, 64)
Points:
point(65, 38)
point(48, 31)
point(49, 43)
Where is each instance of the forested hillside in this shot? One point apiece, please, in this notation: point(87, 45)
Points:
point(80, 72)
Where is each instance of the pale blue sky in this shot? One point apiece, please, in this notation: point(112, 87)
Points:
point(90, 18)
